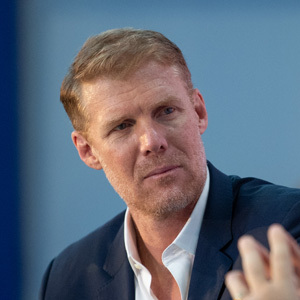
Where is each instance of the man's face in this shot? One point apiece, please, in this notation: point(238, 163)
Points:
point(145, 133)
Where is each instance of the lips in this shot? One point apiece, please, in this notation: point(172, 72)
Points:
point(160, 171)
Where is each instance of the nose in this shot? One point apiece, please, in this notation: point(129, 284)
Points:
point(152, 140)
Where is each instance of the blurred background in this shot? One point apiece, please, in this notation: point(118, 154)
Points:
point(244, 57)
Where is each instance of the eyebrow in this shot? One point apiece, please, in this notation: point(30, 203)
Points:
point(113, 122)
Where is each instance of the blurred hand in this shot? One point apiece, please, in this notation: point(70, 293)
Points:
point(267, 276)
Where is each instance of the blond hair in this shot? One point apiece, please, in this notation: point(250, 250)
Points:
point(116, 54)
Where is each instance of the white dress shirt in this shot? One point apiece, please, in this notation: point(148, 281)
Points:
point(178, 257)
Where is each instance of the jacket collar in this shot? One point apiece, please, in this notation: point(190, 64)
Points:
point(211, 264)
point(120, 283)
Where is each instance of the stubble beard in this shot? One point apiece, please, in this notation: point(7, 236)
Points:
point(170, 199)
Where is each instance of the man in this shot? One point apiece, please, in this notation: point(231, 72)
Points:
point(138, 117)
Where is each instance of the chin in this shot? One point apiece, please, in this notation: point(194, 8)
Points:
point(165, 205)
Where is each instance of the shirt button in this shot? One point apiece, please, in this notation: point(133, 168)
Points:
point(137, 266)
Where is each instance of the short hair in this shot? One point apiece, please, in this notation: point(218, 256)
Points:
point(116, 54)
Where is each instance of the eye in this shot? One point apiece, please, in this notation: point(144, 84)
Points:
point(168, 110)
point(122, 126)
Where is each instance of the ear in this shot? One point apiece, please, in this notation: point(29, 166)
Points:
point(200, 109)
point(85, 151)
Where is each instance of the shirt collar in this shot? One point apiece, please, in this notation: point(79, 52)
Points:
point(187, 238)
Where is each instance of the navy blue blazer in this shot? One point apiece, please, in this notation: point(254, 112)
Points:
point(96, 267)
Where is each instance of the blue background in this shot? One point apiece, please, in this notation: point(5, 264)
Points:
point(244, 57)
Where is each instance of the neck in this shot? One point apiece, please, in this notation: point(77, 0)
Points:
point(154, 235)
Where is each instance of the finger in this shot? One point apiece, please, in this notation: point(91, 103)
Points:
point(295, 252)
point(264, 253)
point(294, 249)
point(253, 262)
point(295, 255)
point(236, 284)
point(281, 256)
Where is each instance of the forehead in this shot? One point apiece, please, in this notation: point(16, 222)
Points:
point(147, 85)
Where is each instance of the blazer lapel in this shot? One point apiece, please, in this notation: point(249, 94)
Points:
point(211, 264)
point(120, 283)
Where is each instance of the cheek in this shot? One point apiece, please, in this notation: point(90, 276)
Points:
point(190, 134)
point(119, 161)
point(192, 143)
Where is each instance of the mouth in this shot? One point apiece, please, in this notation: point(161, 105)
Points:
point(161, 171)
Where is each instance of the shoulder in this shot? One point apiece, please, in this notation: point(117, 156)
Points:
point(254, 202)
point(260, 202)
point(254, 190)
point(94, 244)
point(81, 260)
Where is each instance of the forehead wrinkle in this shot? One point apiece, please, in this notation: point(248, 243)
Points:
point(123, 98)
point(142, 88)
point(127, 110)
point(94, 94)
point(142, 78)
